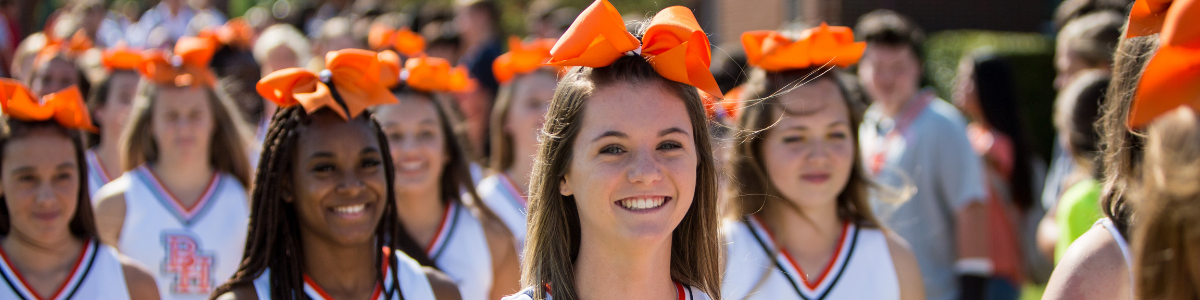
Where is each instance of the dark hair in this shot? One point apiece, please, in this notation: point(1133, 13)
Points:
point(1079, 110)
point(995, 82)
point(83, 224)
point(273, 240)
point(1071, 9)
point(554, 229)
point(889, 28)
point(1123, 148)
point(97, 98)
point(1093, 37)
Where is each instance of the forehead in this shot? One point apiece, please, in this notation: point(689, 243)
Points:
point(634, 109)
point(820, 99)
point(181, 97)
point(327, 132)
point(39, 146)
point(536, 81)
point(411, 109)
point(882, 52)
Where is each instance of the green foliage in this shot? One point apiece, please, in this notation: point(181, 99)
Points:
point(1032, 58)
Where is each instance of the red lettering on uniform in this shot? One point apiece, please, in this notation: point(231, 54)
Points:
point(192, 269)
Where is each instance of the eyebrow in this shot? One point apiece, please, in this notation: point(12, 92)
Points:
point(836, 123)
point(369, 150)
point(671, 130)
point(66, 165)
point(616, 134)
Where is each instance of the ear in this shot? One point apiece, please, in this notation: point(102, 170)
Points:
point(564, 187)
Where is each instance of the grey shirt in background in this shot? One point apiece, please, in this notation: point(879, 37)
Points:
point(933, 156)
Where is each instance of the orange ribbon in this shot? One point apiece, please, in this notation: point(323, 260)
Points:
point(73, 47)
point(432, 74)
point(522, 58)
point(674, 44)
point(361, 78)
point(825, 44)
point(1146, 17)
point(235, 33)
point(187, 67)
point(65, 107)
point(1172, 77)
point(121, 59)
point(403, 40)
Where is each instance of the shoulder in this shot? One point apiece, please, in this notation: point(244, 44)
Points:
point(1092, 268)
point(908, 272)
point(899, 249)
point(240, 292)
point(443, 287)
point(140, 283)
point(945, 114)
point(114, 190)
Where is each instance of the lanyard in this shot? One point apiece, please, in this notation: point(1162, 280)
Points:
point(910, 113)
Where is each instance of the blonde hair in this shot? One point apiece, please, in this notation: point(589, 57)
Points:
point(1166, 241)
point(1122, 148)
point(286, 36)
point(226, 149)
point(554, 231)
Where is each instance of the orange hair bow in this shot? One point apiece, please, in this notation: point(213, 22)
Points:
point(773, 52)
point(187, 67)
point(1172, 77)
point(65, 107)
point(432, 74)
point(76, 45)
point(522, 58)
point(1146, 17)
point(403, 40)
point(361, 78)
point(121, 59)
point(674, 44)
point(235, 33)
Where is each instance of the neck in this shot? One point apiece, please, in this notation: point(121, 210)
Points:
point(340, 269)
point(894, 108)
point(182, 172)
point(623, 270)
point(421, 212)
point(32, 257)
point(814, 228)
point(109, 153)
point(519, 175)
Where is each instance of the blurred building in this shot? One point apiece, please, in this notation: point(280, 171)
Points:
point(727, 19)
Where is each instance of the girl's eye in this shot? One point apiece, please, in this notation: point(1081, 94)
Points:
point(321, 168)
point(395, 137)
point(793, 139)
point(26, 178)
point(371, 163)
point(838, 135)
point(670, 145)
point(63, 176)
point(427, 134)
point(611, 149)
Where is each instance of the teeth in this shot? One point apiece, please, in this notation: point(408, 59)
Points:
point(643, 203)
point(350, 209)
point(409, 166)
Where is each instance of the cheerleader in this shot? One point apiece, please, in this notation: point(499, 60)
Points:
point(49, 248)
point(322, 208)
point(526, 87)
point(54, 66)
point(434, 193)
point(800, 224)
point(623, 194)
point(110, 102)
point(180, 207)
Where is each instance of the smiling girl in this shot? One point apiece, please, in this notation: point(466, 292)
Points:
point(324, 225)
point(800, 225)
point(623, 192)
point(48, 241)
point(180, 207)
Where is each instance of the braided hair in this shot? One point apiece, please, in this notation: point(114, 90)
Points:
point(273, 240)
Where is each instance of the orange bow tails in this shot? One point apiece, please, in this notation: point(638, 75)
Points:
point(403, 40)
point(522, 58)
point(65, 107)
point(1146, 17)
point(833, 45)
point(1172, 77)
point(121, 59)
point(187, 67)
point(432, 74)
point(674, 44)
point(361, 78)
point(235, 33)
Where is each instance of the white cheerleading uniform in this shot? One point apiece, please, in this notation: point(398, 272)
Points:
point(96, 176)
point(97, 275)
point(861, 268)
point(407, 273)
point(1123, 245)
point(460, 250)
point(685, 292)
point(193, 250)
point(503, 198)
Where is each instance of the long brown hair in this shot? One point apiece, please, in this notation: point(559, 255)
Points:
point(554, 231)
point(83, 224)
point(1166, 251)
point(501, 141)
point(273, 240)
point(1122, 148)
point(226, 149)
point(751, 187)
